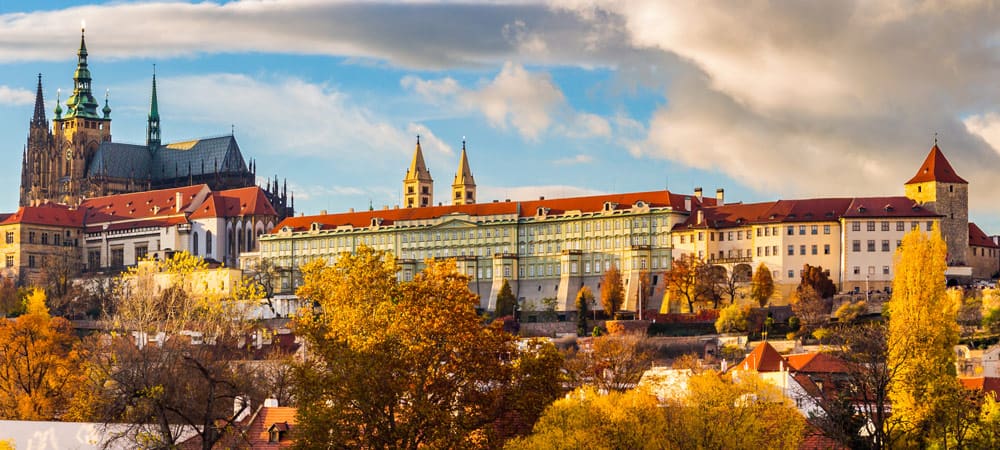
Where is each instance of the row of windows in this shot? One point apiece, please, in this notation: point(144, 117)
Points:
point(57, 238)
point(813, 250)
point(813, 229)
point(884, 225)
point(856, 245)
point(856, 270)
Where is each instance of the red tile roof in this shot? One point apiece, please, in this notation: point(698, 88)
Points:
point(529, 208)
point(264, 419)
point(47, 214)
point(248, 201)
point(156, 204)
point(886, 207)
point(978, 238)
point(764, 358)
point(816, 362)
point(986, 384)
point(936, 168)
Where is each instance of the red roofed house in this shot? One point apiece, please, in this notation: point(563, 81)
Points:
point(34, 235)
point(122, 229)
point(805, 378)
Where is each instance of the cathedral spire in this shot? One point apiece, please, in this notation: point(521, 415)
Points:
point(153, 122)
point(463, 191)
point(82, 102)
point(39, 120)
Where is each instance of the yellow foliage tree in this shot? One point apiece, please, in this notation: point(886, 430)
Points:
point(588, 419)
point(39, 364)
point(922, 333)
point(405, 364)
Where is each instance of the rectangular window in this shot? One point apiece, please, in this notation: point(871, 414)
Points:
point(871, 225)
point(93, 259)
point(722, 236)
point(856, 245)
point(730, 237)
point(857, 270)
point(10, 260)
point(871, 245)
point(45, 238)
point(900, 226)
point(140, 252)
point(802, 229)
point(791, 274)
point(791, 250)
point(767, 251)
point(815, 249)
point(814, 229)
point(31, 261)
point(767, 231)
point(914, 226)
point(774, 250)
point(791, 230)
point(826, 249)
point(802, 249)
point(899, 243)
point(930, 225)
point(9, 237)
point(826, 229)
point(759, 232)
point(117, 257)
point(31, 237)
point(760, 252)
point(885, 270)
point(701, 235)
point(885, 245)
point(855, 226)
point(885, 225)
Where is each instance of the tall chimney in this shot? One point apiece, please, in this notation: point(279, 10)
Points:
point(701, 216)
point(720, 196)
point(687, 203)
point(178, 198)
point(697, 193)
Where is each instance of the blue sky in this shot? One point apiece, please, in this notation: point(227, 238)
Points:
point(570, 97)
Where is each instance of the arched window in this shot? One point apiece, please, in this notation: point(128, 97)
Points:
point(249, 240)
point(208, 243)
point(194, 243)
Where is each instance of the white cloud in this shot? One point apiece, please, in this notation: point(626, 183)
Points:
point(986, 126)
point(13, 96)
point(285, 115)
point(428, 141)
point(575, 159)
point(529, 102)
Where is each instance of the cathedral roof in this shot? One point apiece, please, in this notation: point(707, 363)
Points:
point(175, 160)
point(936, 168)
point(248, 201)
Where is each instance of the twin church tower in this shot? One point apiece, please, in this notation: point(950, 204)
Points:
point(418, 186)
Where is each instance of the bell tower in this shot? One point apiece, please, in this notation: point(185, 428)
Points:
point(463, 191)
point(418, 186)
point(938, 187)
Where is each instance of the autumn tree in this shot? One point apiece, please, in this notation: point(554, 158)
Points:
point(733, 318)
point(59, 269)
point(762, 285)
point(611, 363)
point(612, 291)
point(922, 333)
point(812, 310)
point(588, 418)
point(505, 301)
point(691, 280)
point(266, 275)
point(818, 279)
point(732, 283)
point(405, 364)
point(721, 412)
point(173, 357)
point(584, 298)
point(39, 364)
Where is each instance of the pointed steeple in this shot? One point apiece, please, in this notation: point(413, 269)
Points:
point(463, 191)
point(82, 103)
point(107, 108)
point(58, 110)
point(936, 168)
point(153, 121)
point(418, 186)
point(39, 119)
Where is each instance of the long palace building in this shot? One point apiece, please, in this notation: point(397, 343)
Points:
point(549, 248)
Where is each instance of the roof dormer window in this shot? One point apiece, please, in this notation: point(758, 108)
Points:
point(315, 226)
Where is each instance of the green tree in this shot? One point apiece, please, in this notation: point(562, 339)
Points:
point(612, 291)
point(922, 333)
point(818, 279)
point(505, 301)
point(762, 285)
point(732, 318)
point(584, 298)
point(396, 364)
